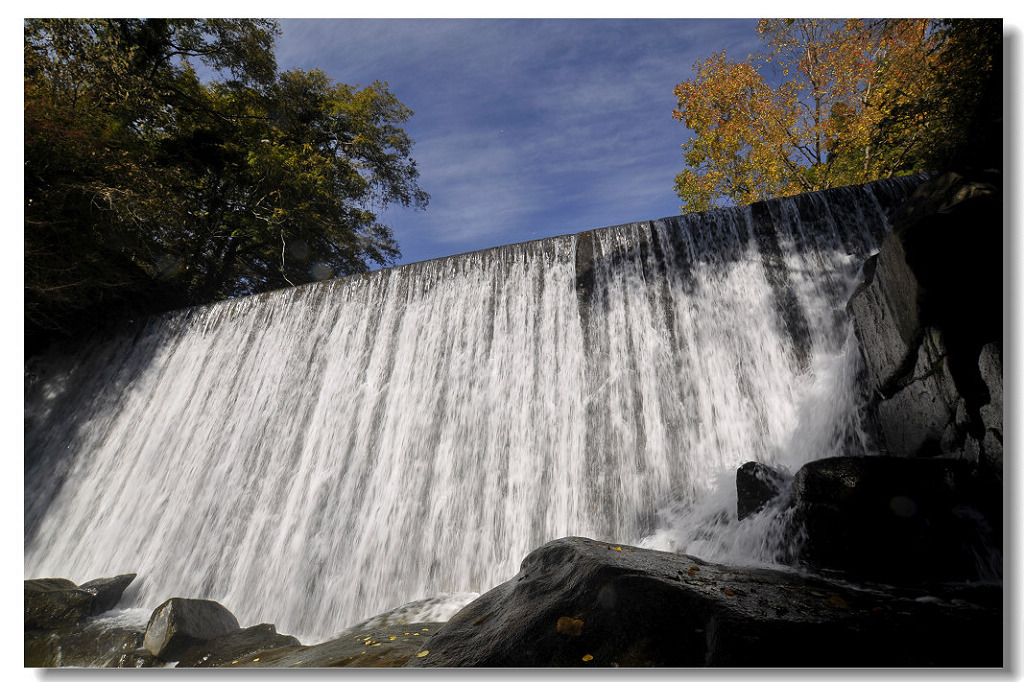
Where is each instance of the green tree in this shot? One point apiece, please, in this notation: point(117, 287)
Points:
point(147, 188)
point(803, 115)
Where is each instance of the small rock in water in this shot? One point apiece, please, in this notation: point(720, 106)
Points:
point(757, 485)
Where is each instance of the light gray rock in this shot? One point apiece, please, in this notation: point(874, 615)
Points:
point(990, 364)
point(886, 314)
point(915, 418)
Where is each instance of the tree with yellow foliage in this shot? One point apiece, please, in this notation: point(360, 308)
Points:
point(806, 114)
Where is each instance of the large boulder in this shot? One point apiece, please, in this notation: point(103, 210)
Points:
point(893, 518)
point(579, 602)
point(235, 645)
point(179, 623)
point(51, 603)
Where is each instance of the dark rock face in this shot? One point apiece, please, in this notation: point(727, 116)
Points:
point(55, 635)
point(885, 312)
point(892, 518)
point(108, 591)
point(94, 644)
point(178, 624)
point(757, 485)
point(51, 603)
point(42, 649)
point(381, 647)
point(990, 367)
point(235, 645)
point(139, 658)
point(578, 602)
point(929, 320)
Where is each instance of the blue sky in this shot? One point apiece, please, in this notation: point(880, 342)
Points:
point(525, 128)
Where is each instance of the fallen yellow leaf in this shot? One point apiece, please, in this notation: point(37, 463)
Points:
point(255, 660)
point(569, 626)
point(588, 657)
point(422, 653)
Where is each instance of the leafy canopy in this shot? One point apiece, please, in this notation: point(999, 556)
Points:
point(148, 187)
point(828, 103)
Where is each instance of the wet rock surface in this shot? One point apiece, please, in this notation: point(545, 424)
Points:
point(245, 642)
point(55, 602)
point(178, 624)
point(90, 645)
point(107, 591)
point(58, 627)
point(52, 603)
point(384, 647)
point(42, 649)
point(578, 602)
point(757, 485)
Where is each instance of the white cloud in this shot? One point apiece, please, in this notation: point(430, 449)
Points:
point(524, 128)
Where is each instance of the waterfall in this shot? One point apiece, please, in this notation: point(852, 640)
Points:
point(316, 455)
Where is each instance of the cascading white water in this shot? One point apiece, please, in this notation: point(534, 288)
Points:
point(318, 455)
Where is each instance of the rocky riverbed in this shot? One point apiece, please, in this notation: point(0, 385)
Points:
point(891, 573)
point(575, 602)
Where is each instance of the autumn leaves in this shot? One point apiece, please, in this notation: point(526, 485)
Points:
point(824, 106)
